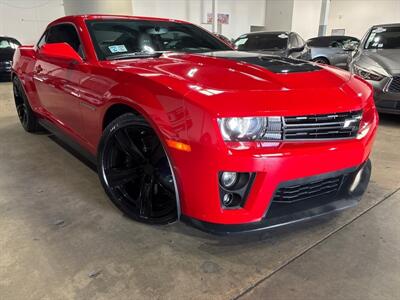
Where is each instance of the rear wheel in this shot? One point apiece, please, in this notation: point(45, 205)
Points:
point(135, 172)
point(25, 114)
point(321, 60)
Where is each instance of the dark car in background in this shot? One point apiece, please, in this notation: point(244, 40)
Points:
point(377, 60)
point(280, 43)
point(333, 50)
point(7, 49)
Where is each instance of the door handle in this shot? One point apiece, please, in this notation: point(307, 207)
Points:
point(39, 69)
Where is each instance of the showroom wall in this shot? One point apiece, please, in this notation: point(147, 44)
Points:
point(121, 7)
point(243, 14)
point(27, 19)
point(301, 16)
point(306, 17)
point(279, 15)
point(357, 16)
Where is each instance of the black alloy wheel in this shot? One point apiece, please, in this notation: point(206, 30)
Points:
point(135, 171)
point(25, 114)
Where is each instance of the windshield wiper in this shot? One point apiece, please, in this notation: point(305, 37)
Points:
point(135, 55)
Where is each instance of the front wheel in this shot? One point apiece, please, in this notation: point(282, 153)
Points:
point(25, 114)
point(135, 171)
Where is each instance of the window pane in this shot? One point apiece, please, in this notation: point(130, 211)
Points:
point(118, 37)
point(383, 38)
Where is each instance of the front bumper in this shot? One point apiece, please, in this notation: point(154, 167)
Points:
point(280, 213)
point(385, 101)
point(197, 172)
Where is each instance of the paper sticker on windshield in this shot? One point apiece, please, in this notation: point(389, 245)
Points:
point(379, 30)
point(283, 36)
point(117, 48)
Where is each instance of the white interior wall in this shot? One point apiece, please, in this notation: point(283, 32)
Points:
point(279, 15)
point(27, 19)
point(243, 13)
point(306, 17)
point(75, 7)
point(357, 16)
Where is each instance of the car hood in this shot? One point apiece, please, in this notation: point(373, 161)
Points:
point(257, 82)
point(388, 59)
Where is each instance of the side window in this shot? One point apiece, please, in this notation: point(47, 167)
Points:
point(337, 44)
point(65, 33)
point(42, 40)
point(294, 43)
point(300, 41)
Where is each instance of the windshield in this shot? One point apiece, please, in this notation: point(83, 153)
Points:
point(123, 38)
point(383, 38)
point(8, 43)
point(251, 42)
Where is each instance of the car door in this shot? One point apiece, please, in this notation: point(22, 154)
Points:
point(57, 80)
point(339, 55)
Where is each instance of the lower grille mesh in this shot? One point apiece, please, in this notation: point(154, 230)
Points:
point(300, 192)
point(394, 86)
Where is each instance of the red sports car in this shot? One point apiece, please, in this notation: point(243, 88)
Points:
point(183, 127)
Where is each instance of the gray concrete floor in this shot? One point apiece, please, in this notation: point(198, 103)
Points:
point(61, 238)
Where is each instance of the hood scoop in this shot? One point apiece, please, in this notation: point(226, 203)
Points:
point(274, 64)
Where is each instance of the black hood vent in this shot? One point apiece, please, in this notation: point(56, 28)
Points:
point(272, 63)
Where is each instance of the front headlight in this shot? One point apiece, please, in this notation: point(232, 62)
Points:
point(251, 128)
point(367, 74)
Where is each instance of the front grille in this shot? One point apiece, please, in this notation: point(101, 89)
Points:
point(319, 188)
point(394, 86)
point(388, 104)
point(332, 126)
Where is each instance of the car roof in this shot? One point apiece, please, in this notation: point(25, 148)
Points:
point(387, 25)
point(266, 32)
point(7, 37)
point(328, 37)
point(73, 18)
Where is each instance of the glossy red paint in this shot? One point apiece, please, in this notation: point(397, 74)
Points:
point(182, 95)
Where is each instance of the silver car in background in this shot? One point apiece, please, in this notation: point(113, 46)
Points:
point(332, 50)
point(279, 43)
point(377, 60)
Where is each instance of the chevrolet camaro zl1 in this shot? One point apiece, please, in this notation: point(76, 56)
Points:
point(183, 127)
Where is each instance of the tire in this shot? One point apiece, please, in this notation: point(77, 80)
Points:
point(135, 171)
point(25, 114)
point(321, 60)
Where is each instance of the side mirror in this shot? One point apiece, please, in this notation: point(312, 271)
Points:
point(296, 49)
point(61, 51)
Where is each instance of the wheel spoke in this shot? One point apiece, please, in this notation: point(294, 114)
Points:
point(126, 144)
point(146, 196)
point(120, 176)
point(167, 191)
point(157, 154)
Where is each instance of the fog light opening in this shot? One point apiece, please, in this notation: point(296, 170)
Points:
point(228, 179)
point(227, 199)
point(356, 181)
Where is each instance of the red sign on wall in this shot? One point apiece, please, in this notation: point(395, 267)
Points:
point(222, 18)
